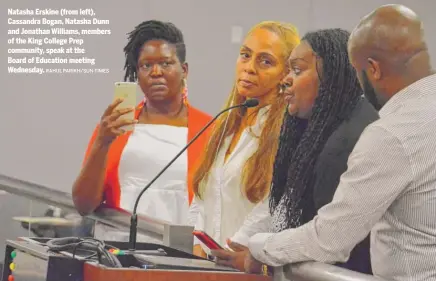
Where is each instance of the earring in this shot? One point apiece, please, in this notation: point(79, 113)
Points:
point(185, 88)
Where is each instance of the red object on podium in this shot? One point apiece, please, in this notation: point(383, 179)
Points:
point(94, 272)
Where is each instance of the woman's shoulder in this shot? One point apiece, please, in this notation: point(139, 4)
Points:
point(347, 134)
point(362, 115)
point(199, 114)
point(364, 112)
point(197, 118)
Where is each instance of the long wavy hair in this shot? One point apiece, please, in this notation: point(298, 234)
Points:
point(257, 171)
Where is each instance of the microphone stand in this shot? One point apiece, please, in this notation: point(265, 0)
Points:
point(134, 217)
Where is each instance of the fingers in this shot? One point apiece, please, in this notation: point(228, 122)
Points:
point(224, 262)
point(251, 265)
point(222, 254)
point(236, 246)
point(118, 132)
point(117, 113)
point(114, 114)
point(115, 128)
point(111, 125)
point(121, 123)
point(110, 119)
point(111, 107)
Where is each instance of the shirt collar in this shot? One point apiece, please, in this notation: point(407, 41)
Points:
point(416, 89)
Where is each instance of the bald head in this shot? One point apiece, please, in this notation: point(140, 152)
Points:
point(389, 53)
point(392, 33)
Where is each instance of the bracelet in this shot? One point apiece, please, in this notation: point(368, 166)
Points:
point(264, 269)
point(267, 270)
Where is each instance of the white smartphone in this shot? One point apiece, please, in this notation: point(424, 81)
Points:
point(128, 92)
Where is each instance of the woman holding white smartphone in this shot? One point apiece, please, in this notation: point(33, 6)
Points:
point(118, 164)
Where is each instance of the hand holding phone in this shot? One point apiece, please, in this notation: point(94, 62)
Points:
point(119, 116)
point(126, 91)
point(207, 240)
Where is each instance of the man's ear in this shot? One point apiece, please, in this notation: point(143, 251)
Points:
point(185, 69)
point(374, 69)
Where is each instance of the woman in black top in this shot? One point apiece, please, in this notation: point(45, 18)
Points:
point(325, 117)
point(327, 114)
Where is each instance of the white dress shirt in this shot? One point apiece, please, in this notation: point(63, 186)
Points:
point(388, 189)
point(258, 221)
point(224, 206)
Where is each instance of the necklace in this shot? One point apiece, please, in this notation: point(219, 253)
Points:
point(175, 116)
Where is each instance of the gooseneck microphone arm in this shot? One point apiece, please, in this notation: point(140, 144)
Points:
point(134, 217)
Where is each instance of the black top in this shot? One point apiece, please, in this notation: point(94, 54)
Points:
point(330, 165)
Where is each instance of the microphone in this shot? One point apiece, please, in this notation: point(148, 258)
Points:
point(250, 103)
point(134, 218)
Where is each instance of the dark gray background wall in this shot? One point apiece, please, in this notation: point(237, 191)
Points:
point(46, 120)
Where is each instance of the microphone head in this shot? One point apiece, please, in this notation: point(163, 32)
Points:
point(251, 103)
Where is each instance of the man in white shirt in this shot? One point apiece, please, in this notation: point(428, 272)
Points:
point(389, 188)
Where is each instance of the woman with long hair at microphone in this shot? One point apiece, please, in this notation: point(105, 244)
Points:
point(326, 114)
point(236, 168)
point(118, 165)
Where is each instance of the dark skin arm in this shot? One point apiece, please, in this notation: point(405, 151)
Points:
point(238, 257)
point(251, 265)
point(233, 258)
point(89, 186)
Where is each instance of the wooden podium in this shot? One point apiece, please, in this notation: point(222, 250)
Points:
point(98, 273)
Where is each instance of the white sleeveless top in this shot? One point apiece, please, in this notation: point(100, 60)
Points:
point(149, 148)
